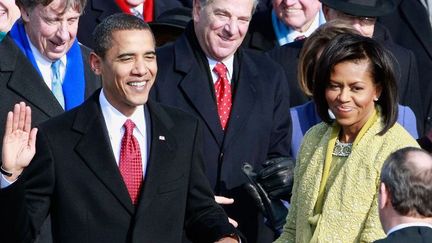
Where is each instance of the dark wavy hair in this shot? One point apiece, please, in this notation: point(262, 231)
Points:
point(312, 48)
point(355, 48)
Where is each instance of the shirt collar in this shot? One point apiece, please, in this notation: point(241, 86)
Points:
point(229, 63)
point(44, 64)
point(115, 119)
point(292, 34)
point(406, 225)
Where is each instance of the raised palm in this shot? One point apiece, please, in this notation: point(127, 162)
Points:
point(19, 140)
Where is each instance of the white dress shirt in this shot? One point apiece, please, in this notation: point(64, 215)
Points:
point(115, 120)
point(229, 63)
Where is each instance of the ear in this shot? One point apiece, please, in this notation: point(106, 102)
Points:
point(196, 10)
point(378, 90)
point(95, 63)
point(326, 12)
point(25, 15)
point(384, 197)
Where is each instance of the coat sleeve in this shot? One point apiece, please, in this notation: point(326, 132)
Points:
point(24, 205)
point(372, 228)
point(289, 231)
point(206, 221)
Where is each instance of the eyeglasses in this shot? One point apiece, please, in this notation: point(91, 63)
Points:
point(362, 20)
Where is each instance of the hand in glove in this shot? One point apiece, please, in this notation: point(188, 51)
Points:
point(272, 183)
point(277, 177)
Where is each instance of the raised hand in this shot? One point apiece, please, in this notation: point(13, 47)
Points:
point(19, 141)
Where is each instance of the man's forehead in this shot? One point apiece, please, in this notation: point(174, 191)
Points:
point(58, 9)
point(225, 5)
point(123, 38)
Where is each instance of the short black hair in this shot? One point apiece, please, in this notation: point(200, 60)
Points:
point(355, 48)
point(102, 34)
point(409, 186)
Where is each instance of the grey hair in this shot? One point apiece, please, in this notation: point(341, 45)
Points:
point(204, 3)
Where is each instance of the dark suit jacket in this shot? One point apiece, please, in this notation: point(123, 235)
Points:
point(259, 125)
point(413, 234)
point(406, 69)
point(20, 81)
point(97, 10)
point(410, 28)
point(74, 176)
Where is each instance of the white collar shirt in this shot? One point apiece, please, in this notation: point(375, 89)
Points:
point(115, 120)
point(229, 63)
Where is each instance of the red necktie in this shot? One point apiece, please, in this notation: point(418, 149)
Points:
point(130, 164)
point(223, 93)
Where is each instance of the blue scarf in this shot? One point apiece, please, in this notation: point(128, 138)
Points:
point(74, 82)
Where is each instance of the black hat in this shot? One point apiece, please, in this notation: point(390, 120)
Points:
point(364, 8)
point(176, 18)
point(170, 24)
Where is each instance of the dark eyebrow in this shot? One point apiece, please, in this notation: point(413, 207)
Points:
point(125, 55)
point(150, 52)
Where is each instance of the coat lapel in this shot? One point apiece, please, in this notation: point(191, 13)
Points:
point(197, 89)
point(25, 85)
point(99, 158)
point(162, 148)
point(244, 99)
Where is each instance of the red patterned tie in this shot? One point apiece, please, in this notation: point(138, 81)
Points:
point(223, 94)
point(130, 164)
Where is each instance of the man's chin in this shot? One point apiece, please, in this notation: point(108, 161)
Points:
point(55, 55)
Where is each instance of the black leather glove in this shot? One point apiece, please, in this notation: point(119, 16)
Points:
point(277, 177)
point(272, 183)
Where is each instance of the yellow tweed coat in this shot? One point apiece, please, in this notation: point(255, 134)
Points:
point(350, 210)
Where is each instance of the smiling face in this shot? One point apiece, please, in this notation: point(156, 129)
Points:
point(350, 94)
point(128, 69)
point(297, 14)
point(221, 26)
point(51, 29)
point(9, 13)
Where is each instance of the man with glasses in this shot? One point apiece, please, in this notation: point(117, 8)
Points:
point(362, 16)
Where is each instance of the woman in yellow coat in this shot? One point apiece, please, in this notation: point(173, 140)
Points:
point(337, 172)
